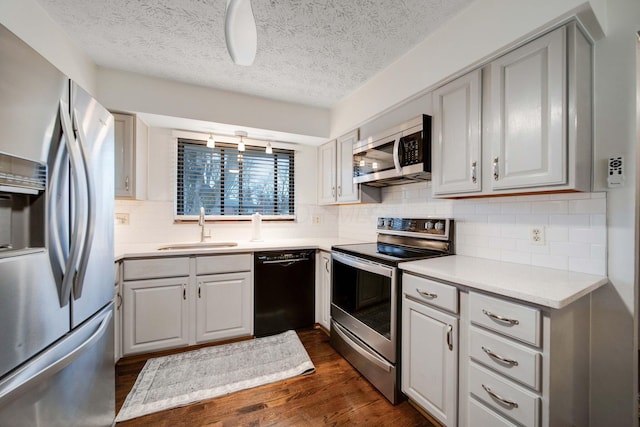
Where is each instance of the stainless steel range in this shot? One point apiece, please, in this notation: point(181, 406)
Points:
point(365, 300)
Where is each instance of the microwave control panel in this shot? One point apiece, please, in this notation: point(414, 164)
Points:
point(411, 149)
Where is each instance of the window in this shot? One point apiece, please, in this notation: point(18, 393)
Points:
point(234, 184)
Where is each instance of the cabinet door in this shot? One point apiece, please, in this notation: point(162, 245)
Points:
point(347, 191)
point(430, 360)
point(117, 315)
point(224, 307)
point(327, 173)
point(528, 108)
point(124, 155)
point(156, 314)
point(456, 136)
point(325, 294)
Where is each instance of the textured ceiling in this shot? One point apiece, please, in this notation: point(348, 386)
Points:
point(313, 52)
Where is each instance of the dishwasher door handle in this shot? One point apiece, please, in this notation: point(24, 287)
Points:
point(284, 262)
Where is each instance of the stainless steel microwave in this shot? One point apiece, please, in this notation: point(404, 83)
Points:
point(398, 155)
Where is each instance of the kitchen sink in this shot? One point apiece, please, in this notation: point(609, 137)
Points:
point(203, 245)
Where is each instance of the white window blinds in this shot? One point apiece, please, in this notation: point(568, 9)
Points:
point(231, 183)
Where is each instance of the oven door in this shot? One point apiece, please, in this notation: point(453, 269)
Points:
point(363, 300)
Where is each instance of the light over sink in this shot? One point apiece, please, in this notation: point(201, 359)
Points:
point(203, 245)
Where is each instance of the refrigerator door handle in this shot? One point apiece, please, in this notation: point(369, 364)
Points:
point(79, 207)
point(57, 248)
point(55, 358)
point(85, 248)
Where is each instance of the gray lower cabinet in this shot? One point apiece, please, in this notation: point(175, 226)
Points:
point(224, 307)
point(430, 348)
point(171, 302)
point(476, 359)
point(156, 314)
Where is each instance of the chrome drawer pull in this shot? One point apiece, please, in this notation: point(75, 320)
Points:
point(500, 318)
point(499, 358)
point(499, 398)
point(426, 294)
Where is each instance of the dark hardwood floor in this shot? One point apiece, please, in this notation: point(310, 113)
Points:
point(336, 394)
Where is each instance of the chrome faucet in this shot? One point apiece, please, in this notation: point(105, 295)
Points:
point(201, 224)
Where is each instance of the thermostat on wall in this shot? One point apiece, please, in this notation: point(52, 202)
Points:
point(615, 172)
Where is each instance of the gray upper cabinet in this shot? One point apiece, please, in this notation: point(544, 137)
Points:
point(457, 135)
point(131, 142)
point(533, 131)
point(335, 174)
point(528, 105)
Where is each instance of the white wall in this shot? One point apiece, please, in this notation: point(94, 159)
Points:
point(477, 33)
point(29, 21)
point(498, 228)
point(151, 221)
point(123, 91)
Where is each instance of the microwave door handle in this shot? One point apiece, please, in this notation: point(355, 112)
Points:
point(85, 247)
point(76, 232)
point(396, 154)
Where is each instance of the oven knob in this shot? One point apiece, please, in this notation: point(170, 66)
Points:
point(428, 225)
point(439, 226)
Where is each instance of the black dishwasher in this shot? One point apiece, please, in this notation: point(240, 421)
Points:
point(284, 291)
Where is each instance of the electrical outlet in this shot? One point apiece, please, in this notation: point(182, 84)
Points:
point(122, 218)
point(315, 219)
point(536, 235)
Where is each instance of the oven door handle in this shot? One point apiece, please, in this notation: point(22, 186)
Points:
point(361, 265)
point(367, 354)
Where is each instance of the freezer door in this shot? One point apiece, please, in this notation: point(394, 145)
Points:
point(69, 384)
point(93, 126)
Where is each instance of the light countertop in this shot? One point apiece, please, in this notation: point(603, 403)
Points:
point(144, 250)
point(538, 285)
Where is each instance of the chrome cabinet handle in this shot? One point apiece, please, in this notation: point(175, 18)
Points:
point(450, 337)
point(339, 190)
point(500, 318)
point(427, 294)
point(119, 295)
point(474, 178)
point(326, 266)
point(499, 358)
point(496, 169)
point(499, 398)
point(184, 292)
point(199, 290)
point(333, 191)
point(126, 183)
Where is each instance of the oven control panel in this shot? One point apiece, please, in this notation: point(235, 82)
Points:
point(427, 227)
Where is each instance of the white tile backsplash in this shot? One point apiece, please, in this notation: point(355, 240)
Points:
point(498, 228)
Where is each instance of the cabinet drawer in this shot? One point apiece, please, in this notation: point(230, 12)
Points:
point(135, 269)
point(504, 396)
point(431, 292)
point(482, 416)
point(223, 264)
point(506, 357)
point(506, 317)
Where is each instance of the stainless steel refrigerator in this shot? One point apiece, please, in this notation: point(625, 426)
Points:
point(56, 246)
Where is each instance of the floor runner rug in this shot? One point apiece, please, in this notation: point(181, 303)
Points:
point(184, 378)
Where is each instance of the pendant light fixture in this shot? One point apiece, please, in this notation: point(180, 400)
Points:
point(268, 149)
point(211, 143)
point(241, 134)
point(240, 32)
